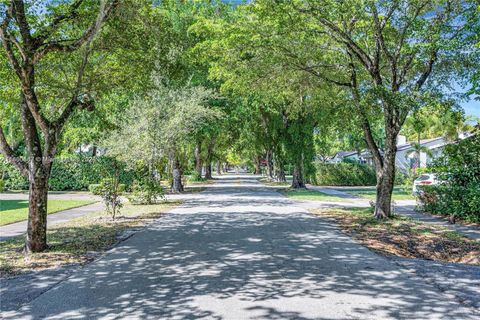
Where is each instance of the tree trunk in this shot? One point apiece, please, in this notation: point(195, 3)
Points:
point(298, 178)
point(208, 171)
point(177, 185)
point(258, 169)
point(280, 174)
point(386, 178)
point(36, 240)
point(208, 160)
point(198, 159)
point(94, 151)
point(219, 168)
point(269, 165)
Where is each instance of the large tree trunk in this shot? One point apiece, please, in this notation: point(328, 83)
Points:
point(219, 168)
point(298, 178)
point(208, 160)
point(270, 165)
point(280, 173)
point(177, 185)
point(36, 240)
point(386, 179)
point(208, 171)
point(198, 158)
point(258, 169)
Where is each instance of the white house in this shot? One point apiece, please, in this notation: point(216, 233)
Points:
point(405, 158)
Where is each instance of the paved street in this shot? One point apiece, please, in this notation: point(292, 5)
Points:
point(242, 251)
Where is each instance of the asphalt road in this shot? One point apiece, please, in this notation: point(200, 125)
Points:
point(242, 251)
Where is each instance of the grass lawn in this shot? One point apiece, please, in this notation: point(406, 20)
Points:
point(370, 193)
point(313, 195)
point(405, 237)
point(17, 210)
point(79, 240)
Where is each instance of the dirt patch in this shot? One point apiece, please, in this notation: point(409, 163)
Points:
point(405, 237)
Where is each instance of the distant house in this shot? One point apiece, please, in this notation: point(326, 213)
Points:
point(345, 155)
point(405, 158)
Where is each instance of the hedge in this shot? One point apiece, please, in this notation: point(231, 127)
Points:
point(458, 170)
point(71, 173)
point(345, 174)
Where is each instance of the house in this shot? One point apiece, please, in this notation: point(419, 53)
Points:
point(345, 155)
point(405, 158)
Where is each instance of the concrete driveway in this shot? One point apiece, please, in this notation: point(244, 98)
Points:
point(242, 251)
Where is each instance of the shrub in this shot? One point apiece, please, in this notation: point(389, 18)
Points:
point(146, 191)
point(110, 191)
point(195, 177)
point(458, 194)
point(75, 172)
point(2, 185)
point(96, 188)
point(345, 174)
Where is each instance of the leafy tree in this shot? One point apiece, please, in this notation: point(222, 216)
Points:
point(36, 37)
point(161, 125)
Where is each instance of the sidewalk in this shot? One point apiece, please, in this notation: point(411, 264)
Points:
point(402, 207)
point(16, 229)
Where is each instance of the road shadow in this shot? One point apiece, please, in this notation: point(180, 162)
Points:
point(237, 257)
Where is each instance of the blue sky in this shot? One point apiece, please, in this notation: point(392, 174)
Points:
point(472, 107)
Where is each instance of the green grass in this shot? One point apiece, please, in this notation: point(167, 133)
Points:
point(17, 210)
point(370, 193)
point(313, 195)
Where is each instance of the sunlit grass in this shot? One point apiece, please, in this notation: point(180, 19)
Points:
point(17, 210)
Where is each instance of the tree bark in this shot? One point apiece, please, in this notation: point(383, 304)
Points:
point(208, 171)
point(280, 173)
point(208, 160)
point(298, 181)
point(36, 240)
point(198, 158)
point(269, 165)
point(219, 168)
point(177, 185)
point(94, 151)
point(258, 169)
point(386, 178)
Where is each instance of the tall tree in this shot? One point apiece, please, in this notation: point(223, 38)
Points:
point(32, 33)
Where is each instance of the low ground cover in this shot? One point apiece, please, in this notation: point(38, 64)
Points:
point(306, 194)
point(17, 210)
point(399, 193)
point(405, 237)
point(79, 240)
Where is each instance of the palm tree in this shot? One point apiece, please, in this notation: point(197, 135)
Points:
point(417, 149)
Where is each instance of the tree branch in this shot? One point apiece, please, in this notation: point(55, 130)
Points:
point(11, 157)
point(106, 8)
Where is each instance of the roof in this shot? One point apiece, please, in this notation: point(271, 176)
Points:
point(343, 154)
point(406, 146)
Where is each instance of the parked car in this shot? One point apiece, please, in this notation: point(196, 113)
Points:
point(424, 179)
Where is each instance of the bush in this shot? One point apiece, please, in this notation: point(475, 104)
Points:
point(110, 191)
point(75, 172)
point(96, 189)
point(2, 185)
point(345, 174)
point(146, 192)
point(195, 177)
point(458, 195)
